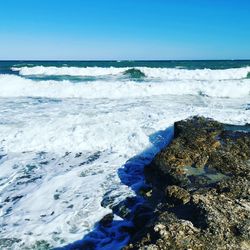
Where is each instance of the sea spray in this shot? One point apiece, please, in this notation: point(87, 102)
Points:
point(159, 73)
point(63, 141)
point(16, 86)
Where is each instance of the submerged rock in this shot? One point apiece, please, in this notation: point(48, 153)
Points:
point(201, 190)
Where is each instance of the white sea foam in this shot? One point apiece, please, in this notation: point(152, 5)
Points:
point(163, 73)
point(62, 143)
point(15, 86)
point(70, 71)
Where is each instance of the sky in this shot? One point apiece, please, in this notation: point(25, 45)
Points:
point(124, 29)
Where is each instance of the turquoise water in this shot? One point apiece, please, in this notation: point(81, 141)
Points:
point(188, 64)
point(5, 66)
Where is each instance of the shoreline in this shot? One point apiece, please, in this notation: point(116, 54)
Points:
point(200, 190)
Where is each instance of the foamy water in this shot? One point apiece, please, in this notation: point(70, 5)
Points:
point(16, 86)
point(62, 143)
point(166, 73)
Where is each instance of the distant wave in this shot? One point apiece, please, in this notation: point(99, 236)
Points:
point(15, 86)
point(68, 71)
point(163, 73)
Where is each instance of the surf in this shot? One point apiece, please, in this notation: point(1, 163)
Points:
point(160, 73)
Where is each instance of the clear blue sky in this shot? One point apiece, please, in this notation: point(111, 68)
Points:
point(124, 29)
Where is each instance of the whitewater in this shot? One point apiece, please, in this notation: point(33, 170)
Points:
point(66, 133)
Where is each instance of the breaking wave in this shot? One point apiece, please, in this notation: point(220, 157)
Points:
point(163, 73)
point(16, 86)
point(134, 73)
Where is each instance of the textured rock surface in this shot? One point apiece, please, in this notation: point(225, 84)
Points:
point(200, 190)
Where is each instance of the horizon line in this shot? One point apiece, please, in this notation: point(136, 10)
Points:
point(119, 60)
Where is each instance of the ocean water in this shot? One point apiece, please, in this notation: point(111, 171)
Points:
point(74, 137)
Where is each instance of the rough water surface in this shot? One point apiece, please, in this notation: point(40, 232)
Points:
point(75, 136)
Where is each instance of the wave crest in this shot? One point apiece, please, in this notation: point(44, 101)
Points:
point(162, 73)
point(15, 86)
point(134, 73)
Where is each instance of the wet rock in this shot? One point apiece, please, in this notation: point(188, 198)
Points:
point(107, 220)
point(177, 194)
point(145, 191)
point(143, 214)
point(202, 184)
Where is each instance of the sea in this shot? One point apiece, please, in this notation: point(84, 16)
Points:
point(76, 135)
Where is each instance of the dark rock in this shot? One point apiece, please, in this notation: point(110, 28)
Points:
point(107, 220)
point(177, 194)
point(201, 190)
point(143, 214)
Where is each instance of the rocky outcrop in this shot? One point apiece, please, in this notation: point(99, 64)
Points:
point(200, 196)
